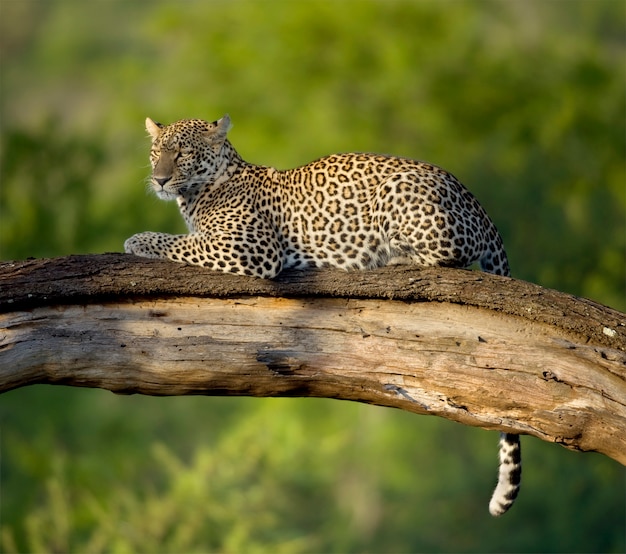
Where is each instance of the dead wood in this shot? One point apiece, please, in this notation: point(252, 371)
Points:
point(480, 349)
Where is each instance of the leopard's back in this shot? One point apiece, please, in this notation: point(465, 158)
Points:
point(361, 211)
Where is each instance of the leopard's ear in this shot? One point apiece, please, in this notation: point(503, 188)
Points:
point(153, 128)
point(218, 131)
point(225, 122)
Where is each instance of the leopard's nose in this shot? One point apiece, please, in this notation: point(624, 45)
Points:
point(161, 181)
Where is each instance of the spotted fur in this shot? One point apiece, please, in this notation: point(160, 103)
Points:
point(350, 211)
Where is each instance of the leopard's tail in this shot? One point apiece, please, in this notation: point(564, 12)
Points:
point(509, 474)
point(510, 471)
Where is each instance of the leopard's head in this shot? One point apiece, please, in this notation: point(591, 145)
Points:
point(185, 154)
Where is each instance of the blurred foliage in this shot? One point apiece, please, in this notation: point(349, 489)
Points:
point(524, 100)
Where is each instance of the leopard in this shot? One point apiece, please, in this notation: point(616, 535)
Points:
point(352, 211)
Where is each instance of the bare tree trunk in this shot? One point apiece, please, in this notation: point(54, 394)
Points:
point(480, 349)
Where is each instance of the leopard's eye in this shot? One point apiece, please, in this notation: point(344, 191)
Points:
point(183, 153)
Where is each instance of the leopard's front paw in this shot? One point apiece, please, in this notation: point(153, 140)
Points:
point(143, 244)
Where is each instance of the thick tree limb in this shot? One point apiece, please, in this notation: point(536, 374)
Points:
point(483, 350)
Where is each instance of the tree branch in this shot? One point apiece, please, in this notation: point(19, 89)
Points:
point(475, 348)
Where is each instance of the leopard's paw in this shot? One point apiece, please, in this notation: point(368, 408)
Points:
point(143, 244)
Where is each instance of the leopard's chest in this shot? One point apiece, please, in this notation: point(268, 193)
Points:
point(205, 208)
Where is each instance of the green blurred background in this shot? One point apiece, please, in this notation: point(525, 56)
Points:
point(523, 100)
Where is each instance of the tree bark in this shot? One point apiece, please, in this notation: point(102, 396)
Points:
point(479, 349)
